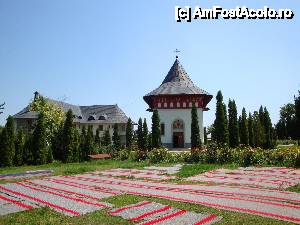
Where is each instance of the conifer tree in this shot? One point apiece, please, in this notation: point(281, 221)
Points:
point(257, 130)
point(250, 130)
point(221, 122)
point(195, 131)
point(7, 146)
point(244, 128)
point(56, 143)
point(205, 136)
point(297, 115)
point(262, 122)
point(140, 137)
point(116, 138)
point(97, 139)
point(89, 143)
point(233, 126)
point(129, 133)
point(19, 148)
point(156, 141)
point(39, 145)
point(68, 139)
point(145, 135)
point(82, 143)
point(106, 138)
point(76, 148)
point(28, 152)
point(268, 129)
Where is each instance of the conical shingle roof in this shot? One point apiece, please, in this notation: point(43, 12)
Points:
point(177, 82)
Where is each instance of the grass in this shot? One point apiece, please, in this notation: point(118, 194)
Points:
point(46, 216)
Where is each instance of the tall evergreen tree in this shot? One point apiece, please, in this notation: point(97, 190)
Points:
point(28, 151)
point(258, 130)
point(244, 128)
point(106, 138)
point(195, 131)
point(68, 139)
point(140, 137)
point(297, 115)
point(250, 130)
point(221, 122)
point(156, 141)
point(145, 135)
point(233, 126)
point(76, 148)
point(82, 143)
point(129, 133)
point(97, 139)
point(268, 129)
point(56, 143)
point(205, 136)
point(89, 143)
point(39, 145)
point(116, 137)
point(7, 146)
point(19, 148)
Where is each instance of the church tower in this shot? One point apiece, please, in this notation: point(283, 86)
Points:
point(173, 100)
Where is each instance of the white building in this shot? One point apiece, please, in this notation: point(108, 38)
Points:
point(102, 117)
point(173, 100)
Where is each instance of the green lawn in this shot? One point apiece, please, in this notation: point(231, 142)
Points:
point(45, 216)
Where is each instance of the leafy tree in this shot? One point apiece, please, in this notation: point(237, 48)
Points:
point(106, 138)
point(233, 126)
point(250, 130)
point(221, 122)
point(244, 128)
point(297, 115)
point(286, 127)
point(68, 139)
point(19, 148)
point(53, 114)
point(129, 134)
point(156, 141)
point(7, 145)
point(145, 135)
point(97, 138)
point(195, 131)
point(116, 137)
point(39, 143)
point(205, 136)
point(140, 137)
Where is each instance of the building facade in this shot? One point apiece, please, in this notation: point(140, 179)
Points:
point(102, 117)
point(173, 100)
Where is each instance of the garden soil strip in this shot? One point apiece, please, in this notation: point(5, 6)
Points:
point(145, 174)
point(242, 192)
point(62, 203)
point(265, 177)
point(77, 191)
point(156, 213)
point(10, 204)
point(27, 174)
point(270, 209)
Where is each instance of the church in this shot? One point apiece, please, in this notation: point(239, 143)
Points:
point(173, 100)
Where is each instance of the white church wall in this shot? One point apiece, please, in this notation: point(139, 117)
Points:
point(168, 116)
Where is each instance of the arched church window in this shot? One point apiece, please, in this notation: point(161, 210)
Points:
point(178, 124)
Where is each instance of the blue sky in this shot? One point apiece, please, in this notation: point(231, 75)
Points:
point(108, 52)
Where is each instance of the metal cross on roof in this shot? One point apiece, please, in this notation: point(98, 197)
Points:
point(176, 51)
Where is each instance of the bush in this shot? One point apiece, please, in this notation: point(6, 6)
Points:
point(157, 155)
point(211, 153)
point(124, 154)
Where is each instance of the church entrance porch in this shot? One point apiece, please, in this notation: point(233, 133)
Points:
point(178, 140)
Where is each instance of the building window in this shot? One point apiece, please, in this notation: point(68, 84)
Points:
point(162, 129)
point(191, 104)
point(165, 105)
point(91, 118)
point(178, 104)
point(159, 105)
point(101, 127)
point(196, 104)
point(123, 127)
point(184, 105)
point(171, 105)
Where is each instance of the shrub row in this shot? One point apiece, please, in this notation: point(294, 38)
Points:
point(243, 156)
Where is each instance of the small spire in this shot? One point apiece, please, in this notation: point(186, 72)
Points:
point(176, 51)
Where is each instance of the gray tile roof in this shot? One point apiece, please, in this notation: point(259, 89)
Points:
point(177, 82)
point(82, 114)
